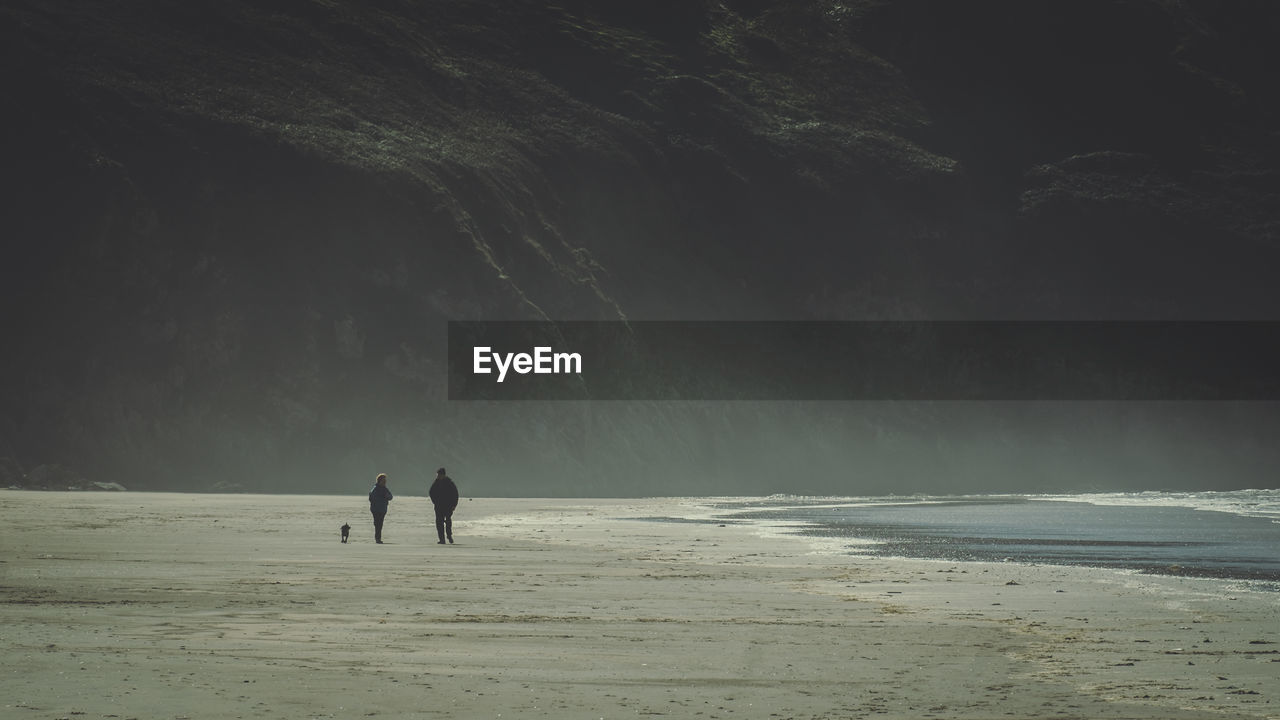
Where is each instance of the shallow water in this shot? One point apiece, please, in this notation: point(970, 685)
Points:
point(1144, 536)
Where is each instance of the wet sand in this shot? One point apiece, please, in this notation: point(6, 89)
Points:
point(144, 605)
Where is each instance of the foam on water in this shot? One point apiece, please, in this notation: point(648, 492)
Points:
point(1246, 503)
point(1160, 533)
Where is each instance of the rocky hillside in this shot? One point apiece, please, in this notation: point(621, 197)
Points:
point(234, 231)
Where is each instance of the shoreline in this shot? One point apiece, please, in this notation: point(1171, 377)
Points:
point(821, 537)
point(235, 606)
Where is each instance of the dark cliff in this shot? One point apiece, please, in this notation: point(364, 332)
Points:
point(234, 232)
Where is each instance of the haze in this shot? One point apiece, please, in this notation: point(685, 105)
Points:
point(234, 234)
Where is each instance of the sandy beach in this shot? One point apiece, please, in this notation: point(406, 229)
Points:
point(151, 605)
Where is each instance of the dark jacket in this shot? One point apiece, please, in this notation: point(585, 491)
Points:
point(444, 494)
point(379, 496)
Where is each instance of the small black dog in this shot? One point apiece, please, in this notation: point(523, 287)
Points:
point(346, 531)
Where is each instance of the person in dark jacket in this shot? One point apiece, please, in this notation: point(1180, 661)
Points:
point(444, 495)
point(379, 498)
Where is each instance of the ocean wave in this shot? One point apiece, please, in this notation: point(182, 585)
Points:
point(1247, 503)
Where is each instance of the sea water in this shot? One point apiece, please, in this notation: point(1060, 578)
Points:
point(1232, 535)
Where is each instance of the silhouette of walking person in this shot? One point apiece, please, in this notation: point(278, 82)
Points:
point(379, 499)
point(444, 495)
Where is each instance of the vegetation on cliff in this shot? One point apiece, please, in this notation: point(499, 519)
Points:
point(236, 230)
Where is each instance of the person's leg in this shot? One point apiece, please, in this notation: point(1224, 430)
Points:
point(448, 526)
point(377, 526)
point(440, 516)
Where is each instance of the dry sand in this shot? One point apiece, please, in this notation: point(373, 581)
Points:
point(142, 605)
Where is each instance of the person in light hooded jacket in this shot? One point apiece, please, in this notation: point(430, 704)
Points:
point(379, 499)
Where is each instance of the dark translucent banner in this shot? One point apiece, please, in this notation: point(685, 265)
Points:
point(864, 361)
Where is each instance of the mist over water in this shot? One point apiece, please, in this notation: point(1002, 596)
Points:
point(859, 448)
point(644, 449)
